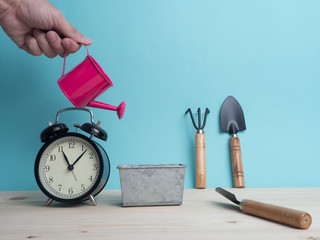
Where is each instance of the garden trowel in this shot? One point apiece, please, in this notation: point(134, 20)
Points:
point(290, 217)
point(232, 121)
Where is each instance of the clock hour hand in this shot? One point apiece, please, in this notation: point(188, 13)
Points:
point(70, 167)
point(78, 158)
point(65, 158)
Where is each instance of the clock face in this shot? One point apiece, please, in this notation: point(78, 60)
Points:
point(69, 167)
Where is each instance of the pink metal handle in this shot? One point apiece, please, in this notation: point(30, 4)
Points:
point(65, 58)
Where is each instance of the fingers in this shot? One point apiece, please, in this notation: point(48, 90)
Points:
point(70, 45)
point(50, 44)
point(31, 46)
point(55, 42)
point(61, 45)
point(43, 43)
point(64, 27)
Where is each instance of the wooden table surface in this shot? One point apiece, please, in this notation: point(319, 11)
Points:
point(204, 214)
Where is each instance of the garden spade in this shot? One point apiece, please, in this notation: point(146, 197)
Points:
point(232, 121)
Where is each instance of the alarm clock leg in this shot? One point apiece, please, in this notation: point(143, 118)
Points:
point(49, 202)
point(92, 200)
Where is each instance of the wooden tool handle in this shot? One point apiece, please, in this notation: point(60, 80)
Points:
point(283, 215)
point(200, 161)
point(238, 177)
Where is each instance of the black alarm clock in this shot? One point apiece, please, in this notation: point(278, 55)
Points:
point(71, 167)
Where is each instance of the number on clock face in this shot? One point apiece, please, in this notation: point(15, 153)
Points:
point(69, 167)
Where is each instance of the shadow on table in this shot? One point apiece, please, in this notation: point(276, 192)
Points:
point(227, 206)
point(37, 199)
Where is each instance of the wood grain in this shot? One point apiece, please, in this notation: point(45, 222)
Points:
point(204, 214)
point(200, 161)
point(291, 217)
point(238, 176)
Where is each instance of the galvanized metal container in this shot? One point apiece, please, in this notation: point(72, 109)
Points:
point(152, 184)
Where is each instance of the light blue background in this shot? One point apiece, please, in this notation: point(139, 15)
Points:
point(165, 56)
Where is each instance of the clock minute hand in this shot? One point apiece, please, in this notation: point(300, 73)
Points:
point(78, 158)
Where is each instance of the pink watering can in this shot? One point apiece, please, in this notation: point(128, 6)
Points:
point(86, 82)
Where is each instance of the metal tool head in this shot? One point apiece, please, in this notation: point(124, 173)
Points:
point(228, 195)
point(199, 127)
point(231, 116)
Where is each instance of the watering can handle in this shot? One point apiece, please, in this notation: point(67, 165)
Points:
point(65, 59)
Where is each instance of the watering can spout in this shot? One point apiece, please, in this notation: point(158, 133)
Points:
point(120, 109)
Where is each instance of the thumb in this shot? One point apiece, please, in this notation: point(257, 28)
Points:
point(67, 30)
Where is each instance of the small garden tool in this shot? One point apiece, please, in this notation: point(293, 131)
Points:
point(287, 216)
point(232, 121)
point(200, 149)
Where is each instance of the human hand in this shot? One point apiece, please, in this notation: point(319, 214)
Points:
point(37, 27)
